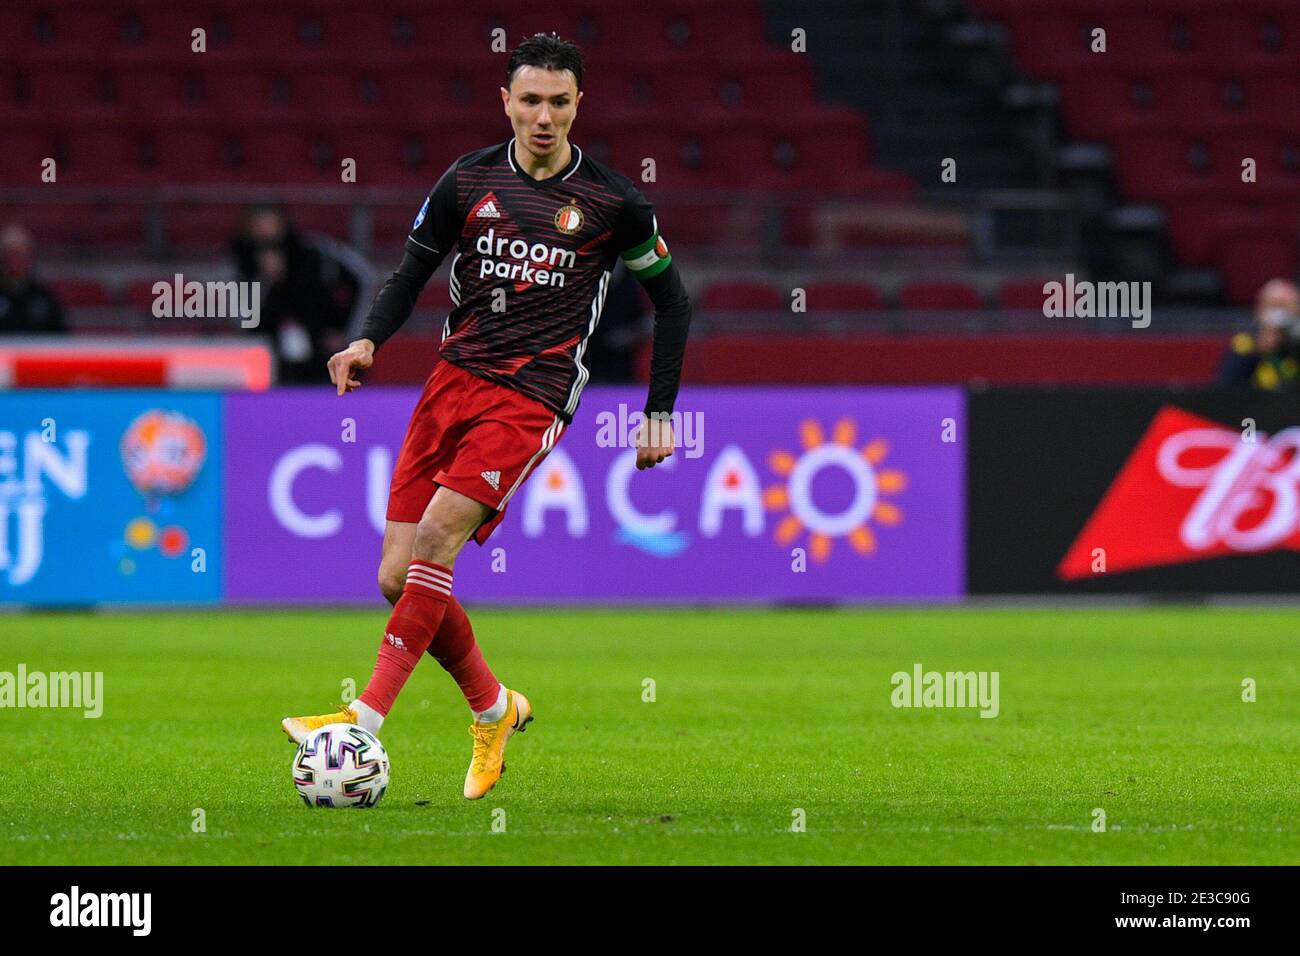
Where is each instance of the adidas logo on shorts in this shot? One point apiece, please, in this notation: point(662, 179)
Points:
point(493, 478)
point(488, 211)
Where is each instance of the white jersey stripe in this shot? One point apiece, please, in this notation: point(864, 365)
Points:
point(580, 380)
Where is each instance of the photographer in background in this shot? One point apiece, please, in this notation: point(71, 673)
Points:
point(1267, 359)
point(27, 306)
point(307, 297)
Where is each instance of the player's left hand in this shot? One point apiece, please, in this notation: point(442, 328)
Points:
point(343, 366)
point(654, 443)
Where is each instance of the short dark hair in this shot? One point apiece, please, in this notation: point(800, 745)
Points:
point(549, 52)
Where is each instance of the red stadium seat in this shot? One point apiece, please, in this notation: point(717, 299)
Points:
point(1188, 102)
point(23, 153)
point(199, 154)
point(742, 297)
point(287, 90)
point(282, 155)
point(16, 32)
point(202, 227)
point(925, 296)
point(81, 228)
point(629, 151)
point(72, 94)
point(705, 29)
point(1246, 32)
point(1023, 294)
point(1100, 106)
point(328, 220)
point(843, 297)
point(1247, 258)
point(139, 294)
point(80, 33)
point(1151, 37)
point(81, 293)
point(1052, 46)
point(163, 95)
point(273, 32)
point(705, 223)
point(106, 156)
point(1154, 166)
point(1271, 100)
point(253, 96)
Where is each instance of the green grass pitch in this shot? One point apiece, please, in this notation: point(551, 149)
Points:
point(757, 713)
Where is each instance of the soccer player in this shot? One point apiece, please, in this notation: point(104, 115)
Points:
point(534, 228)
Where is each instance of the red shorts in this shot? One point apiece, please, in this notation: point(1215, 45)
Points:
point(473, 436)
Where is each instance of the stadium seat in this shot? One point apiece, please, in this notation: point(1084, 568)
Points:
point(100, 156)
point(740, 296)
point(1022, 294)
point(1100, 106)
point(1153, 166)
point(80, 293)
point(202, 227)
point(948, 296)
point(198, 154)
point(285, 91)
point(24, 151)
point(139, 294)
point(1248, 257)
point(164, 95)
point(843, 297)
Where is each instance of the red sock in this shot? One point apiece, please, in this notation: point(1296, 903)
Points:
point(416, 618)
point(456, 650)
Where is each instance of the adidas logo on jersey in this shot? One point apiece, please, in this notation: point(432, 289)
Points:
point(493, 478)
point(488, 211)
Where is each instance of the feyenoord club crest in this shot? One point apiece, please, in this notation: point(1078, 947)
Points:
point(568, 220)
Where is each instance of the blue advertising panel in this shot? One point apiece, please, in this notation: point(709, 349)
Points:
point(110, 497)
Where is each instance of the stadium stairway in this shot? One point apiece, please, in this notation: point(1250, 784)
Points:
point(886, 59)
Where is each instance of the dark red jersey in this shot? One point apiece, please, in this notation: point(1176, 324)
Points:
point(530, 265)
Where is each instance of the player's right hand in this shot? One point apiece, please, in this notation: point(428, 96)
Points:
point(356, 357)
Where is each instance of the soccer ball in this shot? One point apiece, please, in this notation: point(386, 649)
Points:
point(341, 765)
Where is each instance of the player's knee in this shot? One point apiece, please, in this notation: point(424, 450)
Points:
point(438, 537)
point(391, 582)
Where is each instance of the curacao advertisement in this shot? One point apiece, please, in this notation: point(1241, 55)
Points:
point(801, 495)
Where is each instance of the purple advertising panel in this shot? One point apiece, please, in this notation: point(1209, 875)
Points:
point(807, 494)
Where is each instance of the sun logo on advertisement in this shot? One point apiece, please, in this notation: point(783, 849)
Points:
point(870, 483)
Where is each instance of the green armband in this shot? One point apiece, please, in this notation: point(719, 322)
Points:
point(649, 258)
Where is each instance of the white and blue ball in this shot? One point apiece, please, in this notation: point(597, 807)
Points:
point(341, 765)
